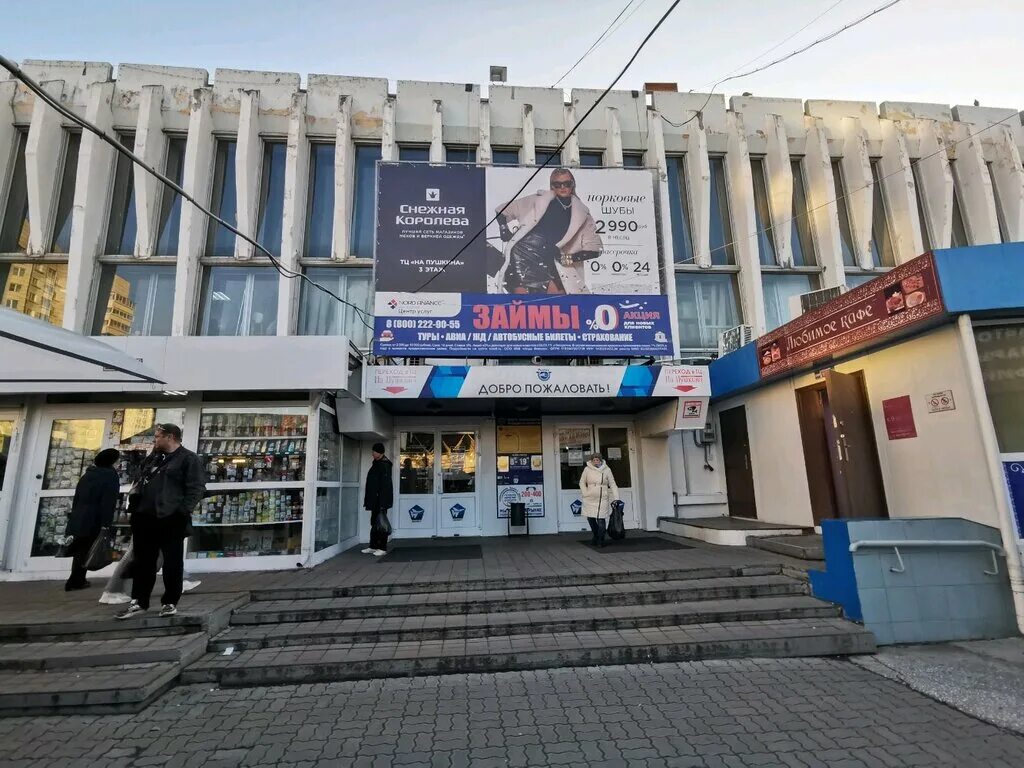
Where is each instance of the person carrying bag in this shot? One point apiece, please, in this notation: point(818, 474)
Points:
point(597, 492)
point(378, 499)
point(91, 518)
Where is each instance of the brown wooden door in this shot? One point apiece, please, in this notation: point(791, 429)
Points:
point(853, 452)
point(739, 474)
point(815, 418)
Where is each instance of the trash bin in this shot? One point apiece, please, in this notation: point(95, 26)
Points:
point(517, 512)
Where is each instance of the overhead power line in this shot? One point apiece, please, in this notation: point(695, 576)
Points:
point(39, 91)
point(593, 45)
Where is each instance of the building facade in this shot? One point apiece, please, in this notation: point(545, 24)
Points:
point(760, 200)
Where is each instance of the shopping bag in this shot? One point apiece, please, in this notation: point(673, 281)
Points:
point(616, 526)
point(101, 553)
point(65, 547)
point(381, 523)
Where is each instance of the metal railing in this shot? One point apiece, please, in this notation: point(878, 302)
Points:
point(994, 549)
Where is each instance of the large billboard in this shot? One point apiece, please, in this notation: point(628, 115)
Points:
point(568, 267)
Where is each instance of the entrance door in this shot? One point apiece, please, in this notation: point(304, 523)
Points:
point(615, 444)
point(739, 474)
point(853, 452)
point(437, 489)
point(812, 405)
point(576, 443)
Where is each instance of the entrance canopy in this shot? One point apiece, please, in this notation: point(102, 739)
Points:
point(36, 357)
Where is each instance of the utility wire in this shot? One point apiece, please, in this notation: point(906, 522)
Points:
point(558, 149)
point(39, 91)
point(594, 44)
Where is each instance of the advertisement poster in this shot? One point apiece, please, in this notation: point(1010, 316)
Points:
point(520, 479)
point(570, 265)
point(899, 418)
point(1013, 470)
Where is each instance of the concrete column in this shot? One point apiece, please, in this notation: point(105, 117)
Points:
point(8, 133)
point(483, 152)
point(977, 202)
point(197, 179)
point(900, 193)
point(388, 145)
point(293, 222)
point(779, 183)
point(821, 198)
point(655, 155)
point(43, 152)
point(248, 168)
point(437, 133)
point(91, 207)
point(1009, 181)
point(697, 168)
point(571, 150)
point(856, 165)
point(529, 152)
point(744, 223)
point(613, 138)
point(344, 180)
point(151, 146)
point(936, 183)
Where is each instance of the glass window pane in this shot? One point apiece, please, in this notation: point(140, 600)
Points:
point(778, 289)
point(350, 466)
point(803, 242)
point(542, 155)
point(66, 196)
point(351, 507)
point(220, 241)
point(239, 301)
point(505, 157)
point(707, 306)
point(460, 154)
point(882, 252)
point(14, 236)
point(679, 209)
point(327, 531)
point(271, 211)
point(1000, 352)
point(135, 300)
point(845, 232)
point(926, 237)
point(721, 224)
point(614, 442)
point(574, 445)
point(458, 462)
point(329, 450)
point(322, 315)
point(122, 224)
point(587, 159)
point(858, 278)
point(763, 214)
point(6, 437)
point(414, 154)
point(73, 445)
point(632, 160)
point(416, 463)
point(170, 207)
point(320, 221)
point(364, 204)
point(35, 289)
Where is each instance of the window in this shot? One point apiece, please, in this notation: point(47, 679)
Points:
point(999, 348)
point(121, 227)
point(632, 159)
point(926, 237)
point(803, 242)
point(779, 288)
point(505, 157)
point(1004, 235)
point(845, 231)
point(14, 235)
point(414, 154)
point(882, 252)
point(588, 159)
point(220, 241)
point(960, 238)
point(707, 306)
point(858, 278)
point(170, 204)
point(320, 202)
point(134, 300)
point(363, 202)
point(321, 315)
point(239, 301)
point(763, 214)
point(679, 210)
point(271, 211)
point(66, 196)
point(459, 154)
point(36, 289)
point(721, 226)
point(549, 156)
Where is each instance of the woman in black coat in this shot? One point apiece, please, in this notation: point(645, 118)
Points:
point(92, 509)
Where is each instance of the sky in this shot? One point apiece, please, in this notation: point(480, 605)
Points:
point(944, 51)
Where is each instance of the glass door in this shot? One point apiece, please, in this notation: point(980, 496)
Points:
point(415, 511)
point(437, 484)
point(457, 513)
point(575, 444)
point(615, 444)
point(6, 445)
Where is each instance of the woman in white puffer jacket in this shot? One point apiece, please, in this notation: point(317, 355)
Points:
point(597, 492)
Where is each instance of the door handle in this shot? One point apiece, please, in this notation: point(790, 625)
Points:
point(746, 461)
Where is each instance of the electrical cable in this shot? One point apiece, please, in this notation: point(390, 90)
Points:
point(558, 149)
point(284, 271)
point(594, 45)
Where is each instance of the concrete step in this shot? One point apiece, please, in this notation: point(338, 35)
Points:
point(94, 691)
point(350, 661)
point(475, 625)
point(39, 656)
point(524, 582)
point(507, 600)
point(805, 547)
point(724, 531)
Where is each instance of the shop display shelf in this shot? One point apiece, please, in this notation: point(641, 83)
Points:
point(250, 525)
point(253, 437)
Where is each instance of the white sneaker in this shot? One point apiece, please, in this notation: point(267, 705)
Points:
point(188, 586)
point(133, 609)
point(378, 552)
point(114, 598)
point(367, 551)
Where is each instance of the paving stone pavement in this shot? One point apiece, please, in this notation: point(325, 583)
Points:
point(795, 713)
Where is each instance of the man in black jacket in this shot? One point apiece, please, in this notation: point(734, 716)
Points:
point(379, 497)
point(92, 509)
point(170, 485)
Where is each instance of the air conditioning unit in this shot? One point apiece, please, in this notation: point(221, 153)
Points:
point(734, 338)
point(815, 299)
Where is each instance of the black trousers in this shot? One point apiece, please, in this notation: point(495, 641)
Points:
point(378, 539)
point(599, 526)
point(80, 550)
point(151, 537)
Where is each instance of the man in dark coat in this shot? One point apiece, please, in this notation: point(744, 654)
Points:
point(379, 497)
point(91, 509)
point(171, 483)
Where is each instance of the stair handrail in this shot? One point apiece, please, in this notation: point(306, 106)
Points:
point(895, 544)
